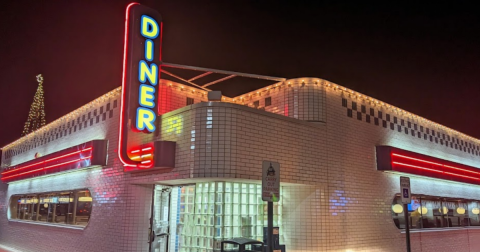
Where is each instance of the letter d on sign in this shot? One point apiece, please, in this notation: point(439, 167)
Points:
point(149, 27)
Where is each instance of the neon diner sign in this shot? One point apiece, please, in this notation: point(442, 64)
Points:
point(141, 74)
point(148, 76)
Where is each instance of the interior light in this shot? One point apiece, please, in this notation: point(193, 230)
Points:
point(475, 210)
point(397, 208)
point(461, 210)
point(422, 210)
point(85, 199)
point(443, 210)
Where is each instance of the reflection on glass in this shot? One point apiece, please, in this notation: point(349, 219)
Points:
point(224, 210)
point(473, 213)
point(436, 212)
point(58, 207)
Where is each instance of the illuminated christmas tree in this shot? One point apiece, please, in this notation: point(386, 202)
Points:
point(36, 116)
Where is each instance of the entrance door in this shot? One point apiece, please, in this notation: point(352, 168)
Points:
point(160, 219)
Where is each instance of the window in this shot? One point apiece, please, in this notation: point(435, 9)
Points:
point(69, 207)
point(215, 211)
point(268, 101)
point(436, 212)
point(256, 104)
point(190, 101)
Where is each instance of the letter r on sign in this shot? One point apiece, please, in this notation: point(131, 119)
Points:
point(145, 119)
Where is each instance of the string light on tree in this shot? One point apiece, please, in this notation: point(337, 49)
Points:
point(36, 116)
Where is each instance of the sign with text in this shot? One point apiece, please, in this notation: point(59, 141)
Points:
point(405, 190)
point(141, 74)
point(271, 181)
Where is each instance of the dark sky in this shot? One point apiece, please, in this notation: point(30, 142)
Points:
point(422, 58)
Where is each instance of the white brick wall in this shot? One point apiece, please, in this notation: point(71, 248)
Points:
point(334, 199)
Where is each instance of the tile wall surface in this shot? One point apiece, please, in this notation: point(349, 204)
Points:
point(333, 197)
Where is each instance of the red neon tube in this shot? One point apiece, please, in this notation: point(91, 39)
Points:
point(122, 119)
point(46, 161)
point(418, 167)
point(45, 168)
point(433, 163)
point(394, 159)
point(433, 170)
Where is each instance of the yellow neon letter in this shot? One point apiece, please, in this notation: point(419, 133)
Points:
point(145, 119)
point(149, 27)
point(150, 72)
point(146, 96)
point(149, 50)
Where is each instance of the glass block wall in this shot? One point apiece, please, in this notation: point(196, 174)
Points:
point(181, 217)
point(214, 211)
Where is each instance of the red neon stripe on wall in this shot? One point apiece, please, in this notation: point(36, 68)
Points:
point(46, 161)
point(417, 167)
point(394, 159)
point(433, 170)
point(433, 163)
point(46, 168)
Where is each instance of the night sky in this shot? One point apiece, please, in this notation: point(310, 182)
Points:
point(422, 58)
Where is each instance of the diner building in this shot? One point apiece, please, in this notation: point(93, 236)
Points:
point(341, 154)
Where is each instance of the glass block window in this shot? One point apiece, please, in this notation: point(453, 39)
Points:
point(223, 210)
point(182, 217)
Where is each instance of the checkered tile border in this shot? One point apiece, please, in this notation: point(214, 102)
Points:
point(82, 122)
point(386, 120)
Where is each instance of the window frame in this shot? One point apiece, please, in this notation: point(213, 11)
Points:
point(438, 213)
point(56, 202)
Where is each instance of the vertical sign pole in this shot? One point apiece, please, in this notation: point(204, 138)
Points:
point(270, 226)
point(270, 193)
point(406, 196)
point(407, 226)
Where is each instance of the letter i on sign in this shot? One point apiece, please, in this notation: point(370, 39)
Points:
point(148, 76)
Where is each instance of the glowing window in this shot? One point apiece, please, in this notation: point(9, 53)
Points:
point(426, 211)
point(63, 208)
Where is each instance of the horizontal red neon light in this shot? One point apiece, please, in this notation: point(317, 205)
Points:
point(143, 155)
point(45, 161)
point(47, 164)
point(46, 168)
point(394, 159)
point(433, 163)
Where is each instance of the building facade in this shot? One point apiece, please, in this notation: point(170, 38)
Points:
point(334, 194)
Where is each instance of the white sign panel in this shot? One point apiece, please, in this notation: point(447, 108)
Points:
point(405, 190)
point(271, 181)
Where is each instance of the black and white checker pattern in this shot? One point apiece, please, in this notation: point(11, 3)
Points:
point(393, 122)
point(81, 122)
